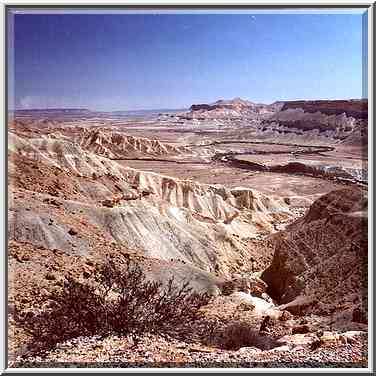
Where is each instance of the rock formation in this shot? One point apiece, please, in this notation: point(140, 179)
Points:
point(116, 145)
point(234, 108)
point(320, 261)
point(164, 217)
point(340, 120)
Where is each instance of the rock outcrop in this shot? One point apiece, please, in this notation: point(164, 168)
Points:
point(116, 145)
point(320, 261)
point(339, 119)
point(164, 217)
point(236, 108)
point(356, 108)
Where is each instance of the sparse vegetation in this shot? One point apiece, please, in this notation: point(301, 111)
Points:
point(239, 334)
point(209, 214)
point(121, 301)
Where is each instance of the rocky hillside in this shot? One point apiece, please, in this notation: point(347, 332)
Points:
point(340, 121)
point(167, 218)
point(116, 145)
point(356, 108)
point(320, 261)
point(232, 104)
point(344, 120)
point(235, 108)
point(71, 207)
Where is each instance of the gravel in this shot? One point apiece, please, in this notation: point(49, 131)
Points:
point(156, 351)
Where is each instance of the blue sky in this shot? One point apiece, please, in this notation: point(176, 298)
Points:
point(145, 61)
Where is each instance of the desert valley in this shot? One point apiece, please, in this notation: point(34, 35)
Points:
point(258, 211)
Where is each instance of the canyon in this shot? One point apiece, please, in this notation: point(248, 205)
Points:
point(253, 204)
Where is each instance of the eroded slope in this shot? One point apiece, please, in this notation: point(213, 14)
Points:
point(320, 262)
point(209, 226)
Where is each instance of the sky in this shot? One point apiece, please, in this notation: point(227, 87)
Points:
point(109, 62)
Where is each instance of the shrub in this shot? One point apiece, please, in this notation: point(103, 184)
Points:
point(239, 334)
point(146, 306)
point(72, 311)
point(122, 301)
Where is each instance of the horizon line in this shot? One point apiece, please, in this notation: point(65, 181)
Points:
point(177, 109)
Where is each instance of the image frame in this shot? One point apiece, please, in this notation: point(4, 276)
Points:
point(8, 6)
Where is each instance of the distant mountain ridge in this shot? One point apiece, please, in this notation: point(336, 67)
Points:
point(30, 110)
point(72, 113)
point(224, 103)
point(75, 110)
point(234, 108)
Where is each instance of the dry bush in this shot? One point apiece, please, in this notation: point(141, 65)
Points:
point(75, 310)
point(239, 334)
point(122, 301)
point(146, 306)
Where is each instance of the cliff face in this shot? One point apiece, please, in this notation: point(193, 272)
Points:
point(337, 119)
point(205, 107)
point(357, 109)
point(344, 120)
